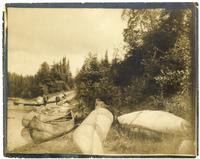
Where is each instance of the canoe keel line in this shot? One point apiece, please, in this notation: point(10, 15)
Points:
point(92, 132)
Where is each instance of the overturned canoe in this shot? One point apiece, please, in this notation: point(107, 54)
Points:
point(90, 135)
point(158, 121)
point(43, 131)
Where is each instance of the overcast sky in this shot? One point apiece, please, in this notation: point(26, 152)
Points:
point(38, 35)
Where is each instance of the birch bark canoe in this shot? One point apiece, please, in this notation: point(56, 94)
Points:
point(158, 121)
point(91, 133)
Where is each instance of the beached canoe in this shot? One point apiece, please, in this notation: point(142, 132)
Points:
point(64, 97)
point(26, 135)
point(157, 121)
point(92, 132)
point(46, 113)
point(27, 118)
point(41, 131)
point(27, 103)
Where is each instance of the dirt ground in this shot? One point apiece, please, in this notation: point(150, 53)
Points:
point(116, 143)
point(63, 144)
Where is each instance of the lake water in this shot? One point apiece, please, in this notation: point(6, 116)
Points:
point(14, 126)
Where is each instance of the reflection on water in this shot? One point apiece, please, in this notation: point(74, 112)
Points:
point(16, 135)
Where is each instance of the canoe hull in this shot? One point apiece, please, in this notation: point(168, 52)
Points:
point(158, 121)
point(41, 131)
point(27, 119)
point(92, 132)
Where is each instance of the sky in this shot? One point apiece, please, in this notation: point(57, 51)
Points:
point(36, 35)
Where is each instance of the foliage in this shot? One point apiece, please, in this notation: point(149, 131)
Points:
point(120, 141)
point(155, 70)
point(95, 81)
point(139, 23)
point(156, 67)
point(47, 80)
point(163, 58)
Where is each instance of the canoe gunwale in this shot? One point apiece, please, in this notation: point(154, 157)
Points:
point(52, 135)
point(131, 121)
point(63, 116)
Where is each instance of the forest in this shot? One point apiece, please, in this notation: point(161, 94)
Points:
point(155, 73)
point(47, 80)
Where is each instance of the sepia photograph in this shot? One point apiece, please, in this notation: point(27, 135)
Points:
point(100, 79)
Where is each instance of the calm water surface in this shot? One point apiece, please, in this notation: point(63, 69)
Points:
point(14, 126)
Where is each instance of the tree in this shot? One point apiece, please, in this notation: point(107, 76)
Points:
point(86, 80)
point(43, 78)
point(47, 80)
point(154, 49)
point(139, 23)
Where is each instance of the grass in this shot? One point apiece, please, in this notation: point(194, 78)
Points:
point(124, 141)
point(61, 145)
point(120, 140)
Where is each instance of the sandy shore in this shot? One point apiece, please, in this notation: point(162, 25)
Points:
point(14, 128)
point(61, 145)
